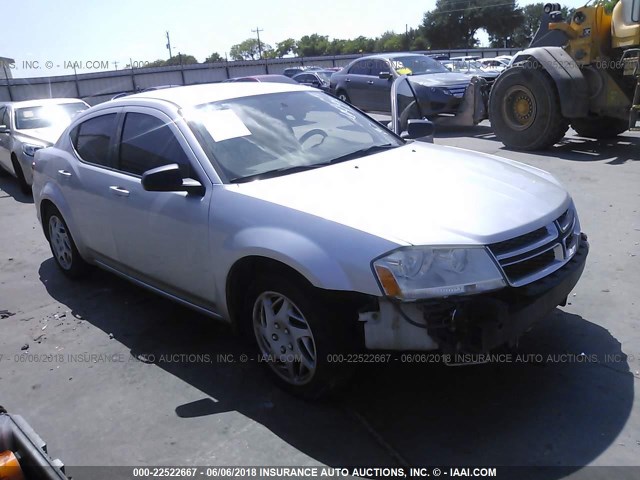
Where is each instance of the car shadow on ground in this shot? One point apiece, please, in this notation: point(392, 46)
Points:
point(9, 188)
point(614, 151)
point(538, 411)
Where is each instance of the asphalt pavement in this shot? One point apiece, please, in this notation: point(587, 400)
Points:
point(114, 375)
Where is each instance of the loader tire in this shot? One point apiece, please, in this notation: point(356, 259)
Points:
point(599, 127)
point(524, 109)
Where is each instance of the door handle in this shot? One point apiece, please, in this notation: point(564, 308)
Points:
point(119, 191)
point(370, 82)
point(348, 80)
point(64, 173)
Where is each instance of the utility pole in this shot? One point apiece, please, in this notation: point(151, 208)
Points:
point(169, 45)
point(257, 32)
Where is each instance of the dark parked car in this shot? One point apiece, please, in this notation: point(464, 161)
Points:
point(472, 68)
point(366, 82)
point(292, 71)
point(262, 78)
point(316, 78)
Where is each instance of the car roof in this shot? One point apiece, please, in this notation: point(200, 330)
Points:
point(206, 93)
point(42, 102)
point(391, 55)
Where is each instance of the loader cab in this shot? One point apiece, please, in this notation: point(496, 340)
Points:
point(625, 24)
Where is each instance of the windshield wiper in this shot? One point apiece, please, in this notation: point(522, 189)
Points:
point(363, 152)
point(276, 173)
point(301, 168)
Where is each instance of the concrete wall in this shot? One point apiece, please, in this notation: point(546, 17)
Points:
point(98, 87)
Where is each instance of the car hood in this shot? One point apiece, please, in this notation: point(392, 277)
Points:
point(423, 195)
point(439, 79)
point(46, 136)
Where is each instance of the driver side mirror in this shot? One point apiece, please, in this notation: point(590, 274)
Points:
point(4, 129)
point(169, 179)
point(385, 75)
point(419, 129)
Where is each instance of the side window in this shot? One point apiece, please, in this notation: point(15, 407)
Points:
point(148, 142)
point(360, 68)
point(378, 66)
point(92, 139)
point(306, 78)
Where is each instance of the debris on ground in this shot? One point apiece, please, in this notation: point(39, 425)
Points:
point(111, 336)
point(6, 314)
point(25, 347)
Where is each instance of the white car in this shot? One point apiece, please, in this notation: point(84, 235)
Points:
point(28, 126)
point(309, 225)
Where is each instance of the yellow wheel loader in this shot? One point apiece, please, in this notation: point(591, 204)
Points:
point(583, 71)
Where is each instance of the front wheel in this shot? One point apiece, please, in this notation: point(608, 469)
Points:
point(524, 109)
point(299, 337)
point(63, 247)
point(600, 127)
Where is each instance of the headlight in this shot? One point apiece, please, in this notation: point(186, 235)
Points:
point(428, 272)
point(30, 150)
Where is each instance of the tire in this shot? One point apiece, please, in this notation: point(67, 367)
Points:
point(24, 186)
point(524, 109)
point(321, 332)
point(599, 127)
point(342, 95)
point(63, 248)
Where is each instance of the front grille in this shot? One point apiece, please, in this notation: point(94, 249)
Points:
point(538, 253)
point(457, 90)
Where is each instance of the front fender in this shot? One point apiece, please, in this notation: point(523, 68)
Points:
point(573, 89)
point(302, 254)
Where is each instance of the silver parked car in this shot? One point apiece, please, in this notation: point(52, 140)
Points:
point(28, 126)
point(309, 225)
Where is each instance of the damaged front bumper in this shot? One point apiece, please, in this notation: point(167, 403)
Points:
point(474, 324)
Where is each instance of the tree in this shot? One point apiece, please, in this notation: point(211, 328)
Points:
point(214, 57)
point(389, 42)
point(285, 47)
point(248, 50)
point(500, 21)
point(313, 45)
point(360, 44)
point(181, 59)
point(453, 24)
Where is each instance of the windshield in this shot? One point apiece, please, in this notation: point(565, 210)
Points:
point(45, 116)
point(416, 65)
point(325, 76)
point(283, 132)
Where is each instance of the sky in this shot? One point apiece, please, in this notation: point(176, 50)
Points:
point(48, 38)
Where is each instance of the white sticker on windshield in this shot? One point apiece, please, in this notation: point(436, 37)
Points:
point(224, 124)
point(27, 114)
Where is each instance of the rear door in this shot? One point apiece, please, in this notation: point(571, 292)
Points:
point(162, 238)
point(357, 85)
point(85, 182)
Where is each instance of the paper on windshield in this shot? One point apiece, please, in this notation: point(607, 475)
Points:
point(224, 124)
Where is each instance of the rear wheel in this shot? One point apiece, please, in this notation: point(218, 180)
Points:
point(298, 333)
point(525, 110)
point(599, 127)
point(62, 245)
point(24, 186)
